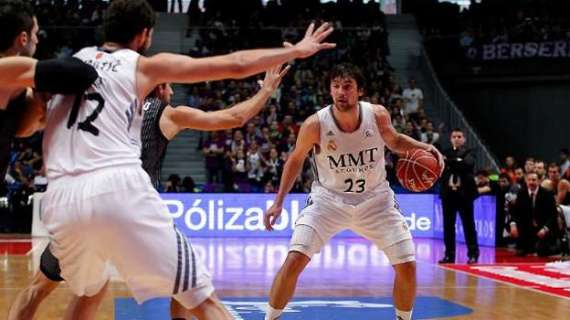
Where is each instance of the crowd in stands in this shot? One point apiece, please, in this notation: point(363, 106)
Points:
point(533, 204)
point(494, 21)
point(67, 26)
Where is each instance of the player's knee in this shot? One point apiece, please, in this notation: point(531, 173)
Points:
point(296, 262)
point(305, 241)
point(401, 252)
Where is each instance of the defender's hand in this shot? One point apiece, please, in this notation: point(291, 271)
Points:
point(273, 77)
point(313, 40)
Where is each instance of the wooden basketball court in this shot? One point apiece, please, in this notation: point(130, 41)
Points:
point(347, 270)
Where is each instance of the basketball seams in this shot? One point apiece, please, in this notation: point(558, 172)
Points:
point(423, 166)
point(413, 159)
point(418, 178)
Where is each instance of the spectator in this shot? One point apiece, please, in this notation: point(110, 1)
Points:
point(173, 184)
point(272, 114)
point(269, 187)
point(254, 171)
point(188, 185)
point(534, 219)
point(509, 168)
point(540, 170)
point(289, 144)
point(560, 187)
point(238, 143)
point(251, 133)
point(239, 167)
point(529, 165)
point(519, 177)
point(273, 167)
point(429, 136)
point(213, 151)
point(413, 97)
point(483, 183)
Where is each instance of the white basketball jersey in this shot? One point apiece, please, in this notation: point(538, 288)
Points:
point(349, 163)
point(100, 128)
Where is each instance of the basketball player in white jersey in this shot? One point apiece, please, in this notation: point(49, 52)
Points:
point(161, 123)
point(100, 206)
point(346, 141)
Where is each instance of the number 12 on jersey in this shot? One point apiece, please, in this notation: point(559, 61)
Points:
point(87, 124)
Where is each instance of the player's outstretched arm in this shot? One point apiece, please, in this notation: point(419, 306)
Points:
point(166, 67)
point(65, 76)
point(174, 120)
point(401, 143)
point(17, 72)
point(309, 136)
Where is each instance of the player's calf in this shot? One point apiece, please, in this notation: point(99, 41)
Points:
point(211, 309)
point(402, 258)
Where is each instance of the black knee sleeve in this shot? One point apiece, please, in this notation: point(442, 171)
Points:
point(49, 266)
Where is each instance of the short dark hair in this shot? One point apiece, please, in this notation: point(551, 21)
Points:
point(15, 16)
point(125, 19)
point(347, 70)
point(553, 165)
point(457, 130)
point(504, 176)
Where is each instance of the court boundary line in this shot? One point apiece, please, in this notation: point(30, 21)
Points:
point(3, 240)
point(529, 288)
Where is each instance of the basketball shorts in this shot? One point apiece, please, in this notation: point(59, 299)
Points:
point(114, 216)
point(377, 219)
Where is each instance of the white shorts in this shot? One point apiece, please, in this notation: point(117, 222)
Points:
point(115, 216)
point(377, 219)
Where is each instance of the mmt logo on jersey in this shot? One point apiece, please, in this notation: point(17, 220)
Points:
point(363, 157)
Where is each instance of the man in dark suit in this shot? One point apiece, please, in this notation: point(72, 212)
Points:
point(534, 216)
point(458, 191)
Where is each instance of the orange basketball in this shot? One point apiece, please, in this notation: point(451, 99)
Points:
point(418, 170)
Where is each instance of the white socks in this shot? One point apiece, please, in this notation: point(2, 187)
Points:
point(403, 315)
point(272, 314)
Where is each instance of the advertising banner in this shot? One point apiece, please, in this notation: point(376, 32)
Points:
point(510, 51)
point(241, 215)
